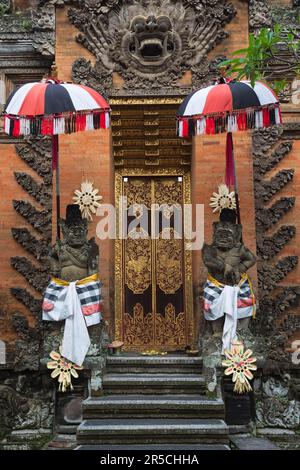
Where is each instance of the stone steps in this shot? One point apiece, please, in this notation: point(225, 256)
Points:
point(152, 431)
point(153, 402)
point(153, 383)
point(143, 406)
point(154, 364)
point(154, 447)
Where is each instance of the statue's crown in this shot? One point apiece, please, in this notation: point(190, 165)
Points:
point(228, 215)
point(73, 214)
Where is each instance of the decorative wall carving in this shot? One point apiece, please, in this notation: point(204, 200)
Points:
point(26, 403)
point(266, 217)
point(27, 345)
point(38, 219)
point(38, 247)
point(270, 275)
point(33, 304)
point(271, 187)
point(38, 277)
point(276, 406)
point(37, 154)
point(270, 246)
point(36, 27)
point(150, 44)
point(272, 322)
point(260, 15)
point(40, 192)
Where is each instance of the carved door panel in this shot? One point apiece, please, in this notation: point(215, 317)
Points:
point(153, 256)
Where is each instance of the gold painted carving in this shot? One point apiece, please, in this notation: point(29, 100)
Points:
point(170, 329)
point(138, 264)
point(153, 122)
point(148, 330)
point(138, 191)
point(152, 161)
point(154, 142)
point(144, 101)
point(168, 191)
point(168, 262)
point(152, 153)
point(138, 328)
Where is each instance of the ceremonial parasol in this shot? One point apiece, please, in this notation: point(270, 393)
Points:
point(52, 107)
point(228, 107)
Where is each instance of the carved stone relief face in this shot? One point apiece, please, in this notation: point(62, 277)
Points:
point(226, 235)
point(75, 234)
point(151, 43)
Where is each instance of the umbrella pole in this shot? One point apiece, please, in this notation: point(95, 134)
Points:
point(55, 166)
point(236, 190)
point(230, 173)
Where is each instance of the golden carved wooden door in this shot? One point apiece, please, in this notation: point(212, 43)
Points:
point(153, 290)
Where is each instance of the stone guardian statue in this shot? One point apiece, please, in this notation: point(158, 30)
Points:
point(228, 293)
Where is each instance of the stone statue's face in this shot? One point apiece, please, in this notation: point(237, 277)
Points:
point(150, 42)
point(75, 234)
point(226, 235)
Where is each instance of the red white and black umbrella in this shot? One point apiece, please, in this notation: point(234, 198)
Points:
point(228, 107)
point(52, 107)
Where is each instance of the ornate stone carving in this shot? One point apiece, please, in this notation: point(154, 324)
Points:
point(272, 186)
point(227, 258)
point(266, 217)
point(36, 27)
point(274, 406)
point(33, 304)
point(270, 275)
point(41, 192)
point(260, 15)
point(270, 246)
point(13, 406)
point(275, 332)
point(150, 44)
point(27, 346)
point(38, 277)
point(40, 220)
point(26, 403)
point(37, 154)
point(75, 257)
point(38, 247)
point(5, 6)
point(269, 149)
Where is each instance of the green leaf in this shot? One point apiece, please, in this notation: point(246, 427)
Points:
point(240, 51)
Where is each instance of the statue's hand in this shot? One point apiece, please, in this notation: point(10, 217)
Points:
point(228, 272)
point(231, 275)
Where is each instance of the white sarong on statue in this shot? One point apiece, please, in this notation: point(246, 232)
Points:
point(235, 302)
point(79, 303)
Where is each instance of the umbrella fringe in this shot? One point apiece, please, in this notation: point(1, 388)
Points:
point(262, 117)
point(55, 125)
